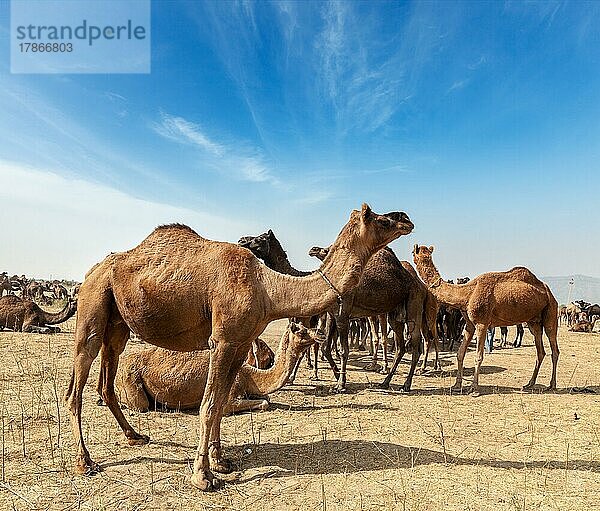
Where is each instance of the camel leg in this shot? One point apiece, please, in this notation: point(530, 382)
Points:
point(245, 405)
point(89, 332)
point(218, 386)
point(326, 350)
point(551, 328)
point(342, 324)
point(481, 330)
point(414, 331)
point(460, 356)
point(117, 334)
point(315, 376)
point(217, 462)
point(384, 341)
point(374, 324)
point(398, 328)
point(536, 330)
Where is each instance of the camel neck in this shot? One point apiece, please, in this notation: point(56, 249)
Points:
point(456, 295)
point(280, 263)
point(312, 295)
point(261, 382)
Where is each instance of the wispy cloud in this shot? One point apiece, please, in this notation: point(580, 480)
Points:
point(238, 160)
point(459, 84)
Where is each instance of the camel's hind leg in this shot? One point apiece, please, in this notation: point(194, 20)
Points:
point(536, 330)
point(117, 334)
point(460, 356)
point(384, 340)
point(481, 330)
point(92, 319)
point(551, 329)
point(374, 324)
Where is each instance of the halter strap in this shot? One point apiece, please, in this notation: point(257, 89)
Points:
point(437, 283)
point(338, 296)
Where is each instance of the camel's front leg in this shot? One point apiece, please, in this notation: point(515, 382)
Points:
point(481, 335)
point(218, 387)
point(460, 356)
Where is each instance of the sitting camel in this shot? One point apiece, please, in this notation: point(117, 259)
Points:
point(583, 326)
point(496, 299)
point(22, 315)
point(180, 291)
point(176, 380)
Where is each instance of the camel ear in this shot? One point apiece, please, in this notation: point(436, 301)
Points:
point(416, 249)
point(366, 211)
point(270, 233)
point(431, 248)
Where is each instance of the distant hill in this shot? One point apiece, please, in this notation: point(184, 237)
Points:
point(584, 288)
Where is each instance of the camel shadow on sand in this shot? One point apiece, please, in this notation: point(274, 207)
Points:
point(349, 456)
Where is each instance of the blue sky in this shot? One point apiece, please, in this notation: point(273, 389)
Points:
point(481, 120)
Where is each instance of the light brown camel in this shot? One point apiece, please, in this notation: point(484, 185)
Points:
point(573, 312)
point(23, 315)
point(183, 292)
point(176, 380)
point(496, 299)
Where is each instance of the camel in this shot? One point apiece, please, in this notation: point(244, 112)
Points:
point(180, 291)
point(386, 288)
point(59, 291)
point(496, 299)
point(5, 284)
point(268, 248)
point(176, 380)
point(573, 312)
point(583, 326)
point(21, 315)
point(519, 337)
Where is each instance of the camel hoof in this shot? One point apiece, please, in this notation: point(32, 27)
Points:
point(404, 390)
point(222, 466)
point(550, 388)
point(373, 367)
point(385, 385)
point(209, 483)
point(456, 388)
point(527, 387)
point(474, 391)
point(138, 439)
point(339, 389)
point(88, 469)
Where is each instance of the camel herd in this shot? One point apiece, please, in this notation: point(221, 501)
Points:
point(200, 306)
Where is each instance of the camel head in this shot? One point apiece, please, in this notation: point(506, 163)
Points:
point(318, 252)
point(376, 231)
point(259, 245)
point(302, 337)
point(462, 280)
point(421, 253)
point(367, 232)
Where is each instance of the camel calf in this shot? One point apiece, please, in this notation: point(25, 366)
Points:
point(177, 379)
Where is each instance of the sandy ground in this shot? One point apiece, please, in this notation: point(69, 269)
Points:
point(366, 449)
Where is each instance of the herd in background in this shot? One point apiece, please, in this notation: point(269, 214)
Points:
point(579, 316)
point(41, 291)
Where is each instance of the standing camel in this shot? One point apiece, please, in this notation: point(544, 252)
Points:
point(385, 288)
point(496, 299)
point(183, 292)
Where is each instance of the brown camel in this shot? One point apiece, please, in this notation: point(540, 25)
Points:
point(23, 315)
point(176, 380)
point(385, 288)
point(5, 284)
point(496, 299)
point(582, 326)
point(183, 292)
